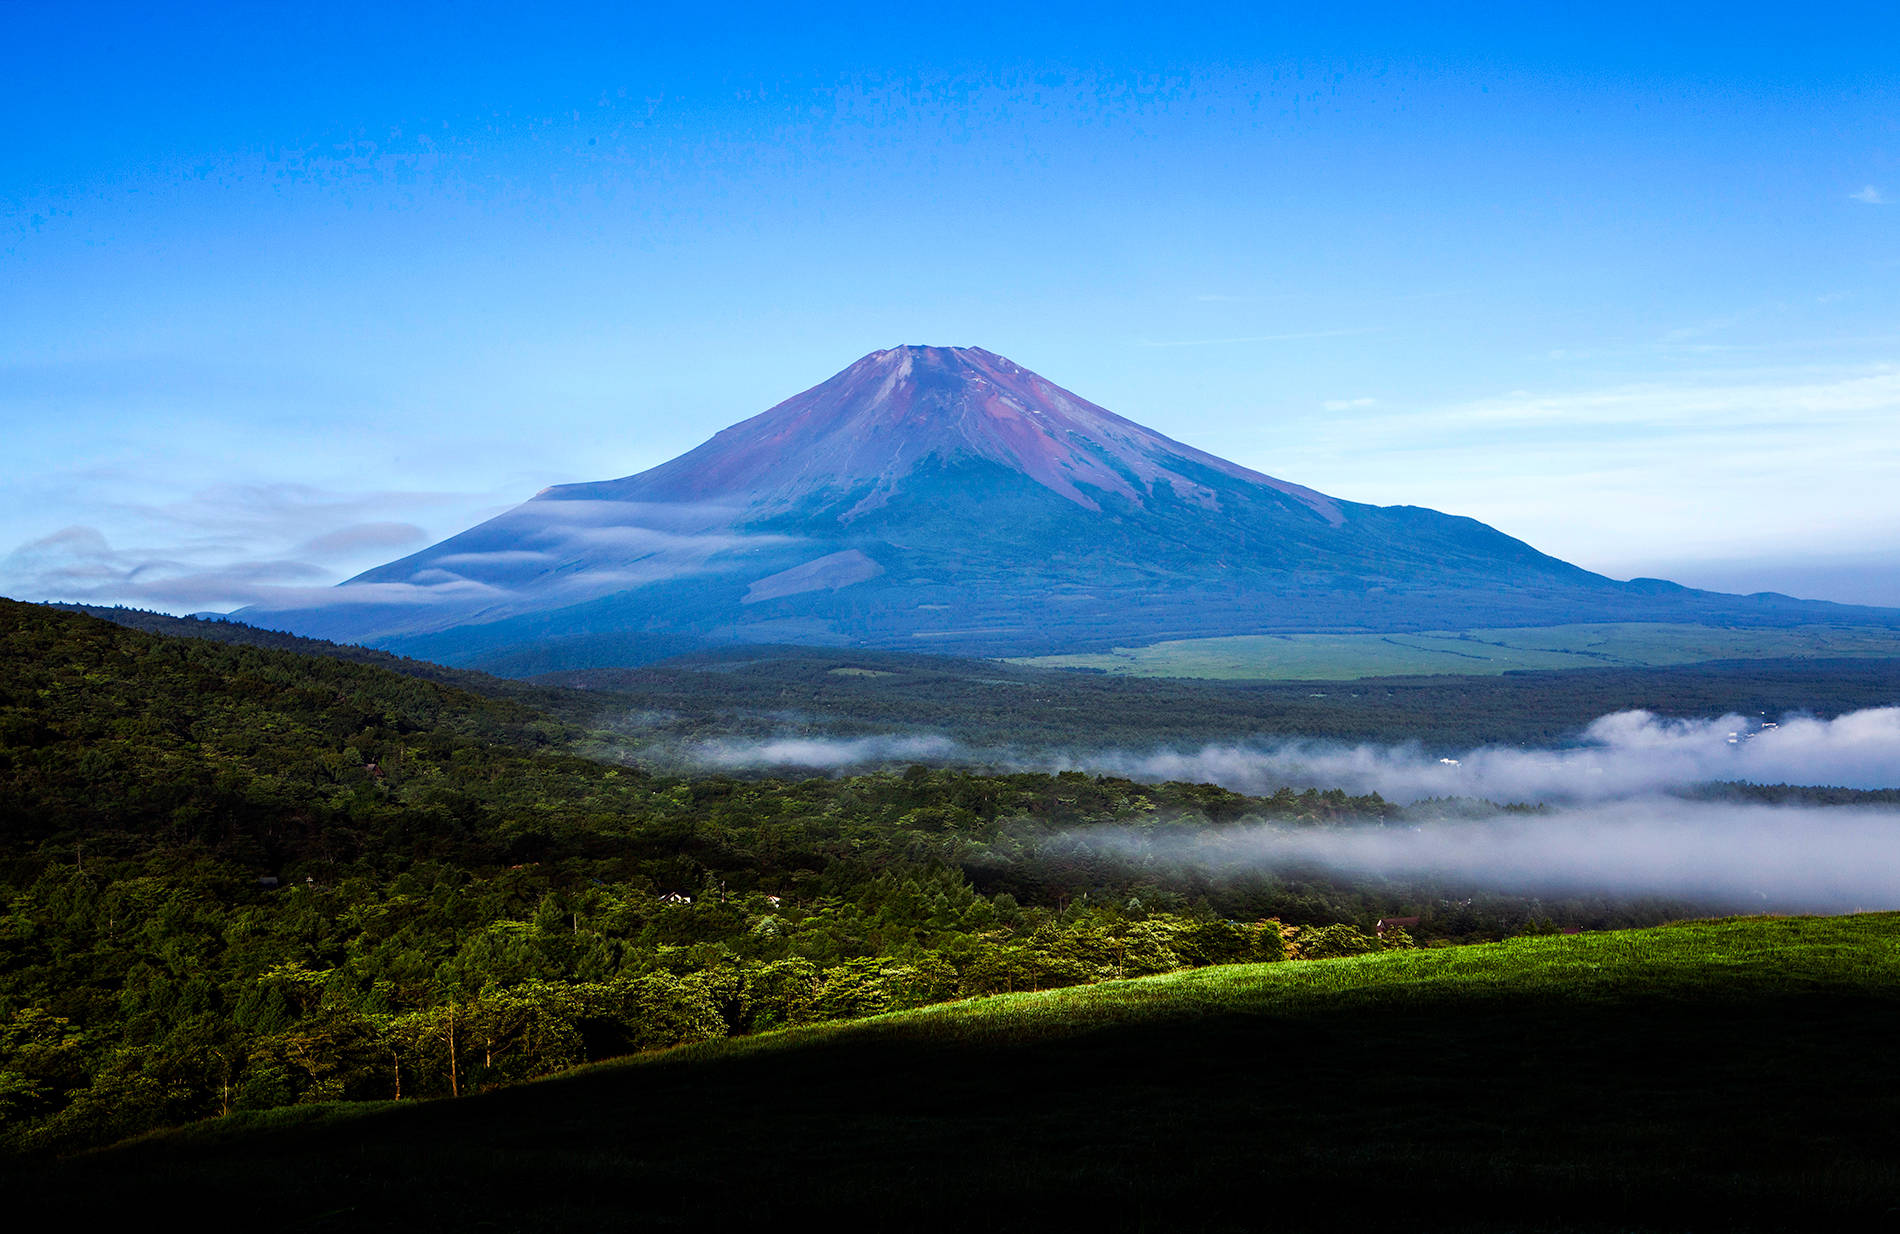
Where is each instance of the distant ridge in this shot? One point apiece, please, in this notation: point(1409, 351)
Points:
point(216, 628)
point(946, 499)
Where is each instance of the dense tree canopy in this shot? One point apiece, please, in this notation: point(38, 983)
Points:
point(235, 876)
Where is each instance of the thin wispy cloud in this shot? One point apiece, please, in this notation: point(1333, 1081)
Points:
point(1725, 464)
point(822, 753)
point(1870, 196)
point(1770, 398)
point(78, 564)
point(377, 537)
point(220, 547)
point(279, 511)
point(499, 557)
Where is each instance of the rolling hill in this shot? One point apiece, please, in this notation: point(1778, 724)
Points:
point(1710, 1076)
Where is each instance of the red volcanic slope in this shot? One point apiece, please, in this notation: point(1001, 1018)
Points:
point(879, 419)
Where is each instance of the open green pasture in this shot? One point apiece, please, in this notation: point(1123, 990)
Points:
point(1343, 657)
point(1726, 1075)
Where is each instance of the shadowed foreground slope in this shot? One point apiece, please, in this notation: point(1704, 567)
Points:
point(1728, 1075)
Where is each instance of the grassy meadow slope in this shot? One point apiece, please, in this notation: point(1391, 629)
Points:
point(1732, 1075)
point(768, 690)
point(1342, 657)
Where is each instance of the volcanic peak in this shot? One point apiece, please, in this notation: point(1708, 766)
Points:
point(866, 429)
point(948, 499)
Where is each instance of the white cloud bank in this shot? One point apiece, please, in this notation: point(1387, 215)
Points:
point(1615, 831)
point(1627, 755)
point(1777, 858)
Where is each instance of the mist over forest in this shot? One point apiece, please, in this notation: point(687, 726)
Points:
point(1613, 813)
point(1626, 754)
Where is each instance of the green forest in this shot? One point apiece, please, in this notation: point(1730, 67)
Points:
point(242, 877)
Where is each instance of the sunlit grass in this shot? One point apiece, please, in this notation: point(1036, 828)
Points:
point(1732, 957)
point(1729, 1074)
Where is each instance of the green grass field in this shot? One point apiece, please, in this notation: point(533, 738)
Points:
point(1344, 657)
point(1730, 1075)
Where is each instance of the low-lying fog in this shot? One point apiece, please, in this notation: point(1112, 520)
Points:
point(1779, 858)
point(1616, 830)
point(1628, 754)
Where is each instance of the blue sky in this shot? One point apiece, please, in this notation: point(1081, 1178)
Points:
point(286, 295)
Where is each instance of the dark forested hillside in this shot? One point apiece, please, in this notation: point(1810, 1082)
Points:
point(238, 634)
point(243, 878)
point(105, 730)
